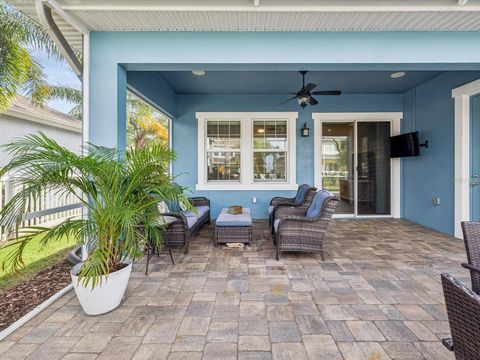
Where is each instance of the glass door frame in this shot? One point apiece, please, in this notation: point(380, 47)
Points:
point(395, 124)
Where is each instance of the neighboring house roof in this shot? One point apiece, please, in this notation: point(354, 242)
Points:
point(22, 108)
point(74, 16)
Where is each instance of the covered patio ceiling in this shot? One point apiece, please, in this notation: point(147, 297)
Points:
point(75, 17)
point(278, 82)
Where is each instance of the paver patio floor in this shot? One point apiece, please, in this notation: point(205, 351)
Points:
point(377, 296)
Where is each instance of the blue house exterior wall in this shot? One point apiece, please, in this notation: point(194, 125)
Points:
point(430, 109)
point(113, 55)
point(185, 137)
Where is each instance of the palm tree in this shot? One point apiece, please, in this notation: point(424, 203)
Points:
point(119, 191)
point(19, 70)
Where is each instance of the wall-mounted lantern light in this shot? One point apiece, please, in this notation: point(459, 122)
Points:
point(305, 131)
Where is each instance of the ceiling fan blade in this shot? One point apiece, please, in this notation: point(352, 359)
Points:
point(287, 100)
point(327, 93)
point(309, 87)
point(313, 101)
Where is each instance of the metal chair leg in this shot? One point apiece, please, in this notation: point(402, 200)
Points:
point(171, 255)
point(149, 255)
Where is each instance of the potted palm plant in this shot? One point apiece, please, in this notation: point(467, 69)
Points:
point(119, 192)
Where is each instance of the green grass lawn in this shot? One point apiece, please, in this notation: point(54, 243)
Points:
point(36, 257)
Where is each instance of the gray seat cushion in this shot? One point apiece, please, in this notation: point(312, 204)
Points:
point(226, 219)
point(201, 210)
point(275, 225)
point(270, 209)
point(191, 221)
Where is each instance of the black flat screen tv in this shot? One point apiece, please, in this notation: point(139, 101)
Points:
point(404, 145)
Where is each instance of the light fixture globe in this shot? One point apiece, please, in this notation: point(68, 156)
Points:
point(303, 100)
point(397, 75)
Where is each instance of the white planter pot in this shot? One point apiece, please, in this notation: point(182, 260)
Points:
point(105, 297)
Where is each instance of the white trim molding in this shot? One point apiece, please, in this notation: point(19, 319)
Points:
point(247, 182)
point(462, 97)
point(393, 117)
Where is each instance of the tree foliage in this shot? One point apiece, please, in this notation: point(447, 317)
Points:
point(144, 123)
point(19, 70)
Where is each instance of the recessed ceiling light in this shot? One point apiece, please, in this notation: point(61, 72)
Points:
point(397, 75)
point(198, 72)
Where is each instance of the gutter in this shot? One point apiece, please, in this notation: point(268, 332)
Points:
point(44, 12)
point(70, 125)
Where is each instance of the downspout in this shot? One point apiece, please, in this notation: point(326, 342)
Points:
point(46, 19)
point(44, 12)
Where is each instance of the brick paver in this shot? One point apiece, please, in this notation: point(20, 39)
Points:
point(376, 296)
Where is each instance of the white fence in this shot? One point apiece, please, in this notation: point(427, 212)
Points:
point(48, 209)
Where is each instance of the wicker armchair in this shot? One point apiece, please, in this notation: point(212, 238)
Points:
point(471, 237)
point(301, 233)
point(463, 309)
point(297, 204)
point(180, 233)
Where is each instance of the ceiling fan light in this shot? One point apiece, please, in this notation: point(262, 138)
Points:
point(303, 100)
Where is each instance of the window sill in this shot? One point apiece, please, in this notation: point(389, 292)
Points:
point(246, 187)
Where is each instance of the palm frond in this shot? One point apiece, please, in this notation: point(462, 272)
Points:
point(119, 192)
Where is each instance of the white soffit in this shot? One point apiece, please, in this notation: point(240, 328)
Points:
point(263, 15)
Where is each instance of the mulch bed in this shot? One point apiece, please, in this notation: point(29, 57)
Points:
point(19, 300)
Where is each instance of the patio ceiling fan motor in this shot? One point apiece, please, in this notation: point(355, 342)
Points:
point(304, 95)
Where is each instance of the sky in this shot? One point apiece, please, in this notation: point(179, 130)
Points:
point(57, 74)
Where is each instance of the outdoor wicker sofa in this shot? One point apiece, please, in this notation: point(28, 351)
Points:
point(295, 230)
point(463, 309)
point(299, 203)
point(188, 223)
point(471, 237)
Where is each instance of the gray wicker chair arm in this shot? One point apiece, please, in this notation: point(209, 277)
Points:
point(200, 201)
point(180, 218)
point(281, 200)
point(285, 211)
point(471, 267)
point(298, 221)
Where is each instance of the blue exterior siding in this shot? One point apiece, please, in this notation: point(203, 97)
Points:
point(429, 108)
point(185, 137)
point(113, 55)
point(154, 88)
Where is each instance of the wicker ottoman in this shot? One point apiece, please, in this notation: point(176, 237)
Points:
point(233, 228)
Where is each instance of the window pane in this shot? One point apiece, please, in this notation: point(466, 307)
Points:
point(145, 124)
point(223, 165)
point(269, 166)
point(223, 135)
point(270, 134)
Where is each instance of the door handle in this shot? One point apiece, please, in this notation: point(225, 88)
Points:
point(475, 180)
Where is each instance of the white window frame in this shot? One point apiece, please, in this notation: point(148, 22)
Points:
point(246, 158)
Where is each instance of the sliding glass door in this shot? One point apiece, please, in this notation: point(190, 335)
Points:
point(338, 151)
point(356, 166)
point(373, 168)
